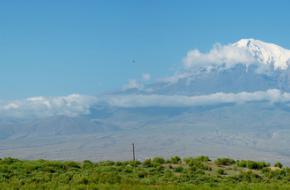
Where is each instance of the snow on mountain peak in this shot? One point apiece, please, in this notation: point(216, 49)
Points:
point(244, 51)
point(266, 53)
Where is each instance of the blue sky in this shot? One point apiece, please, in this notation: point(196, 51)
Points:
point(59, 47)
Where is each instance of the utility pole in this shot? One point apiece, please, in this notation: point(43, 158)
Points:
point(133, 148)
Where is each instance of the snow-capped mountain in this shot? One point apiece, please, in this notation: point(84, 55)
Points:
point(246, 65)
point(265, 53)
point(233, 100)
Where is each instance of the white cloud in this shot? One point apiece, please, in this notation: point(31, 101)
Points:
point(146, 76)
point(272, 95)
point(219, 54)
point(245, 51)
point(71, 105)
point(75, 105)
point(133, 84)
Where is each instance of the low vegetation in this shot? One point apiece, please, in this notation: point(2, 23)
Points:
point(156, 173)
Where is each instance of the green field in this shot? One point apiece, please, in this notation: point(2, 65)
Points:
point(156, 173)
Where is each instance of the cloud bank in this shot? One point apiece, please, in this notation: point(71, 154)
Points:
point(127, 101)
point(72, 105)
point(75, 105)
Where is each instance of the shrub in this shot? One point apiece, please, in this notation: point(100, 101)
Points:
point(258, 165)
point(225, 161)
point(178, 169)
point(188, 160)
point(134, 163)
point(142, 174)
point(106, 163)
point(277, 174)
point(197, 165)
point(118, 163)
point(266, 170)
point(147, 163)
point(110, 178)
point(9, 160)
point(202, 158)
point(278, 165)
point(252, 164)
point(175, 160)
point(87, 164)
point(221, 171)
point(249, 176)
point(158, 160)
point(72, 164)
point(128, 169)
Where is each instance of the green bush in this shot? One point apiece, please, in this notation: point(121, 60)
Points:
point(252, 164)
point(71, 164)
point(106, 163)
point(158, 160)
point(195, 164)
point(266, 170)
point(202, 158)
point(179, 169)
point(147, 163)
point(142, 174)
point(278, 165)
point(221, 171)
point(249, 177)
point(87, 164)
point(175, 160)
point(224, 162)
point(196, 159)
point(134, 163)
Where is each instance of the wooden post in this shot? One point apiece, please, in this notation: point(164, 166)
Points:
point(133, 146)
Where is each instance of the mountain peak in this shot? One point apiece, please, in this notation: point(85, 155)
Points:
point(265, 53)
point(245, 42)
